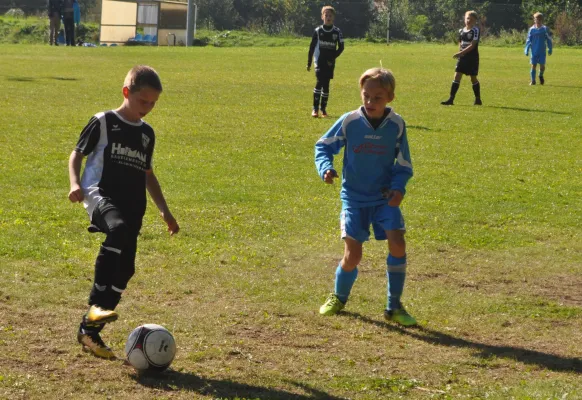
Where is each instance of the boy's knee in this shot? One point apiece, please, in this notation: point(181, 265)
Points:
point(351, 260)
point(118, 234)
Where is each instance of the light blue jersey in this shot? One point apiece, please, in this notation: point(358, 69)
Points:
point(536, 41)
point(374, 159)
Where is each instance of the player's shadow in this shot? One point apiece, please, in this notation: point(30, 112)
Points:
point(171, 380)
point(531, 110)
point(485, 351)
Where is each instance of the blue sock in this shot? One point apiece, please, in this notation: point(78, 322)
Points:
point(396, 273)
point(532, 73)
point(541, 73)
point(344, 282)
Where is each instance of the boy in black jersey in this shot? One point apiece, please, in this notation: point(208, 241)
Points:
point(326, 45)
point(119, 148)
point(468, 59)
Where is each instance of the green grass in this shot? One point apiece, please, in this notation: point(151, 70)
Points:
point(494, 216)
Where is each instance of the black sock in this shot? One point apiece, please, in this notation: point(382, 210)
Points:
point(324, 97)
point(477, 90)
point(316, 97)
point(454, 88)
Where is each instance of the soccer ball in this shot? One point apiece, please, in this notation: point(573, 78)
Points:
point(150, 347)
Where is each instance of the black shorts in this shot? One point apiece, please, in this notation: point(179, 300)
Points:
point(108, 214)
point(468, 65)
point(324, 74)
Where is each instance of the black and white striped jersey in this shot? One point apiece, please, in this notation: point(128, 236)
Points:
point(118, 154)
point(466, 37)
point(326, 45)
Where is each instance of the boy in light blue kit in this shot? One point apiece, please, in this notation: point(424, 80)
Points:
point(376, 168)
point(537, 37)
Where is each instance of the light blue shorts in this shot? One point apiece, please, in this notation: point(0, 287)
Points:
point(537, 59)
point(355, 222)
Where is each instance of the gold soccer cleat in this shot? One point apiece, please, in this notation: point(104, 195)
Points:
point(92, 343)
point(98, 316)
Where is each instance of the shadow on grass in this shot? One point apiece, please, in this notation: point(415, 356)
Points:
point(171, 380)
point(20, 78)
point(545, 360)
point(422, 128)
point(566, 86)
point(530, 110)
point(29, 79)
point(63, 78)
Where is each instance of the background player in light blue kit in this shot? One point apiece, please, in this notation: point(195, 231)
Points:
point(376, 168)
point(537, 37)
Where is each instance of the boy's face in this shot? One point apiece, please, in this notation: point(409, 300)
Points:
point(469, 20)
point(538, 21)
point(375, 97)
point(138, 104)
point(327, 17)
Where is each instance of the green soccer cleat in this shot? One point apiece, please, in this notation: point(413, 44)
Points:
point(400, 316)
point(332, 305)
point(98, 316)
point(92, 343)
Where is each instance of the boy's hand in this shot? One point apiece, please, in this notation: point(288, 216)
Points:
point(457, 55)
point(173, 226)
point(76, 194)
point(308, 68)
point(329, 175)
point(394, 197)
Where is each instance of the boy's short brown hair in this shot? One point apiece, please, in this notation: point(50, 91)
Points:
point(473, 14)
point(142, 76)
point(538, 15)
point(326, 8)
point(384, 76)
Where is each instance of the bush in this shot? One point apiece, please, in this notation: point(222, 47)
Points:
point(569, 28)
point(15, 13)
point(506, 38)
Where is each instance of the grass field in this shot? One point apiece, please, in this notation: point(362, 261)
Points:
point(494, 217)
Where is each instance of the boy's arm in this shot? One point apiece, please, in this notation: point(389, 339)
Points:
point(340, 47)
point(311, 49)
point(528, 42)
point(155, 191)
point(327, 146)
point(402, 169)
point(549, 40)
point(75, 162)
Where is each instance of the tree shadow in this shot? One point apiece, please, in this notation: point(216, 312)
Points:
point(532, 357)
point(171, 380)
point(530, 110)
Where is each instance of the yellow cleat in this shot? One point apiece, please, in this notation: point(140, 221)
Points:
point(92, 343)
point(98, 316)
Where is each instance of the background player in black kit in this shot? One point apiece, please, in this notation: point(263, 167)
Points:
point(326, 45)
point(119, 148)
point(468, 59)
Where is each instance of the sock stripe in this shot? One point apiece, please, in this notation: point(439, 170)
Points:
point(116, 289)
point(113, 249)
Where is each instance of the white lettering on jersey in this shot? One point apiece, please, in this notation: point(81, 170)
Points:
point(116, 148)
point(376, 137)
point(327, 44)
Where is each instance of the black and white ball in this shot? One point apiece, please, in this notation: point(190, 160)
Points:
point(150, 347)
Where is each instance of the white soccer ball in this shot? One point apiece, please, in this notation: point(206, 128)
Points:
point(150, 347)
